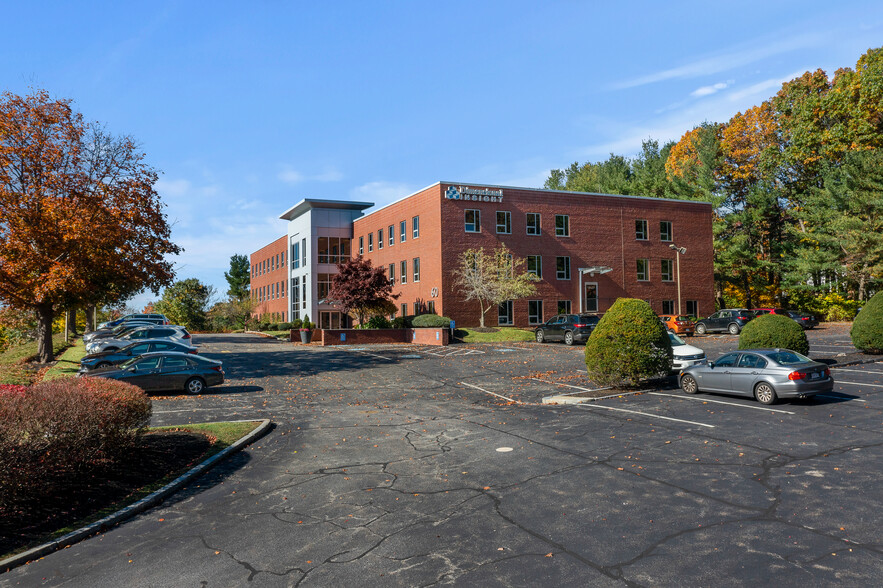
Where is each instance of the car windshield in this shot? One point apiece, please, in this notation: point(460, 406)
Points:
point(130, 362)
point(675, 340)
point(682, 318)
point(787, 357)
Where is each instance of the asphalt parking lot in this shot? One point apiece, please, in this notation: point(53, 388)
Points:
point(413, 465)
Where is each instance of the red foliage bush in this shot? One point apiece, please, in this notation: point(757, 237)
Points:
point(63, 428)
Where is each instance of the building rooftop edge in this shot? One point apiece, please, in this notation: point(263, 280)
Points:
point(310, 203)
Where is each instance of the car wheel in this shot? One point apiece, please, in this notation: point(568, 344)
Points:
point(102, 364)
point(194, 386)
point(700, 329)
point(689, 385)
point(568, 338)
point(540, 337)
point(734, 329)
point(765, 393)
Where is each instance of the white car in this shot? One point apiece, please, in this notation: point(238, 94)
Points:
point(684, 355)
point(174, 333)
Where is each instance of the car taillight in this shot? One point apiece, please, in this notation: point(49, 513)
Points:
point(742, 318)
point(187, 336)
point(580, 325)
point(217, 368)
point(796, 376)
point(193, 351)
point(827, 373)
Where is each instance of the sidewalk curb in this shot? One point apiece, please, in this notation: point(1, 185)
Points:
point(138, 507)
point(572, 399)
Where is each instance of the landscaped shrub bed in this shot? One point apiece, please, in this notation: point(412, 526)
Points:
point(61, 430)
point(867, 330)
point(774, 331)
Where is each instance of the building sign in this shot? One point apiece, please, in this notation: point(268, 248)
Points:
point(475, 194)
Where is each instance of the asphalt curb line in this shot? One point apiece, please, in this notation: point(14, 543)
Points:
point(573, 399)
point(142, 505)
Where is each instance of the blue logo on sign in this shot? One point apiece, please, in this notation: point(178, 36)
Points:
point(452, 194)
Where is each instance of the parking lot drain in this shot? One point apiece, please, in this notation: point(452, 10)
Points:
point(504, 449)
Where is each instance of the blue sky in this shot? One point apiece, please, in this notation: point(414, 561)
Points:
point(249, 107)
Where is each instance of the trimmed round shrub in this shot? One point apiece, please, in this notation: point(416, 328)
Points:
point(867, 329)
point(378, 322)
point(774, 331)
point(629, 344)
point(402, 322)
point(63, 429)
point(430, 320)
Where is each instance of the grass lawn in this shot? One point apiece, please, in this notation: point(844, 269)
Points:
point(497, 335)
point(13, 368)
point(68, 363)
point(162, 455)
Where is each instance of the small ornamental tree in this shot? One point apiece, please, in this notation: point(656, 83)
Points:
point(628, 345)
point(493, 277)
point(186, 303)
point(361, 288)
point(774, 331)
point(867, 329)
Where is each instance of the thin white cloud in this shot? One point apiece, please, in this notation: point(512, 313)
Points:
point(173, 188)
point(709, 90)
point(289, 175)
point(382, 193)
point(765, 88)
point(732, 59)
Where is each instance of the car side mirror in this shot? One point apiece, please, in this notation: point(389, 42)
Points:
point(711, 364)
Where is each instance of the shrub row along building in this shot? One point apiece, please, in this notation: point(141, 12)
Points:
point(588, 250)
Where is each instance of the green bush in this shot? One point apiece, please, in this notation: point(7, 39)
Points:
point(378, 322)
point(284, 327)
point(430, 320)
point(867, 330)
point(306, 324)
point(772, 331)
point(402, 322)
point(296, 323)
point(63, 429)
point(628, 345)
point(838, 314)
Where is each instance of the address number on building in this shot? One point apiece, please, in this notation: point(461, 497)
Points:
point(434, 292)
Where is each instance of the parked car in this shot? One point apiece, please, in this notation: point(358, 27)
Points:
point(113, 331)
point(727, 320)
point(765, 374)
point(684, 355)
point(166, 332)
point(166, 370)
point(678, 324)
point(114, 357)
point(151, 317)
point(567, 327)
point(759, 311)
point(807, 321)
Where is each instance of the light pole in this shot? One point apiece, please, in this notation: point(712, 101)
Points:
point(680, 251)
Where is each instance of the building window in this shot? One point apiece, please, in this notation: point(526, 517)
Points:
point(323, 285)
point(533, 223)
point(333, 249)
point(643, 266)
point(370, 242)
point(666, 270)
point(402, 232)
point(665, 231)
point(361, 245)
point(416, 269)
point(404, 273)
point(562, 267)
point(283, 258)
point(379, 238)
point(504, 222)
point(295, 298)
point(693, 307)
point(392, 237)
point(564, 307)
point(392, 274)
point(404, 309)
point(416, 308)
point(415, 222)
point(534, 312)
point(431, 306)
point(282, 289)
point(668, 307)
point(641, 229)
point(304, 298)
point(535, 265)
point(303, 252)
point(504, 314)
point(562, 225)
point(473, 221)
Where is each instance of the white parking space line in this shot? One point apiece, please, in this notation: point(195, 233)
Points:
point(570, 386)
point(700, 399)
point(857, 371)
point(859, 384)
point(646, 414)
point(492, 393)
point(373, 354)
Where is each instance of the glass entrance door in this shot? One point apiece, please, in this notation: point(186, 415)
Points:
point(590, 297)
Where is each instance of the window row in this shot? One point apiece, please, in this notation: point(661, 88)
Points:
point(536, 316)
point(403, 271)
point(562, 268)
point(270, 264)
point(472, 224)
point(298, 253)
point(389, 237)
point(273, 291)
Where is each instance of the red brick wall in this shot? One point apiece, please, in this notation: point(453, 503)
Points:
point(275, 277)
point(423, 336)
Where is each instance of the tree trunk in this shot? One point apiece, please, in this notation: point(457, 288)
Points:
point(90, 318)
point(73, 321)
point(481, 317)
point(44, 332)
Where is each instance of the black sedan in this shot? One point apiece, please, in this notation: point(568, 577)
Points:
point(567, 328)
point(807, 321)
point(108, 358)
point(166, 370)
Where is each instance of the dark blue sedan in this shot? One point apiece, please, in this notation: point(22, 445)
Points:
point(166, 370)
point(108, 358)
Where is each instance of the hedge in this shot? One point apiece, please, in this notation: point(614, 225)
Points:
point(430, 320)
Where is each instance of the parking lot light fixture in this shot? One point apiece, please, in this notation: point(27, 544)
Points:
point(680, 251)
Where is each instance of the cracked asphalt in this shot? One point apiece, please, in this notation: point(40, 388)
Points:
point(417, 466)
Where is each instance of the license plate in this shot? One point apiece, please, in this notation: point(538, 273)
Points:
point(815, 376)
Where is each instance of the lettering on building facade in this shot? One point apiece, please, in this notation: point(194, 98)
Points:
point(474, 194)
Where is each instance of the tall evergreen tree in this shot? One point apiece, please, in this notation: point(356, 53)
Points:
point(239, 277)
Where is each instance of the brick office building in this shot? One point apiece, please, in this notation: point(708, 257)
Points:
point(269, 277)
point(589, 249)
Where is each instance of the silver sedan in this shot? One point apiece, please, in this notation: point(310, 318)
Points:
point(765, 374)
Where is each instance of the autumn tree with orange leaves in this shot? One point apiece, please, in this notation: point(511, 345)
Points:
point(80, 220)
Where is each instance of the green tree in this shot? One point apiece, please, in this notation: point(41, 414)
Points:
point(186, 303)
point(239, 277)
point(493, 277)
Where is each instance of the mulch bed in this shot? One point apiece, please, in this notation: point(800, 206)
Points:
point(158, 455)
